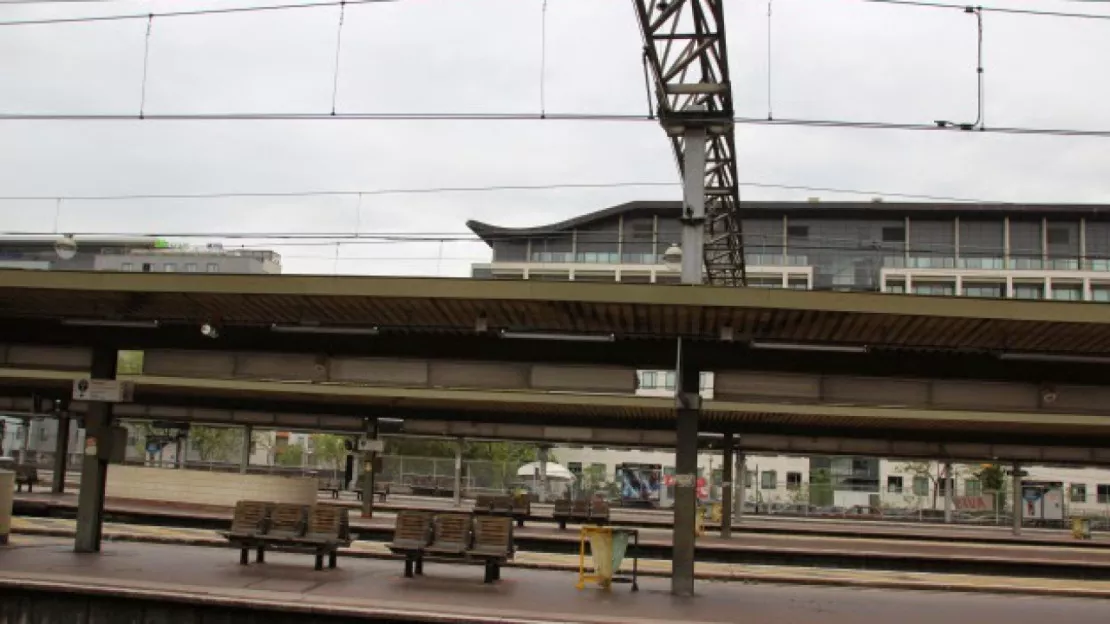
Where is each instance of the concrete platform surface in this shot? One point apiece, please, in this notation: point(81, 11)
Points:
point(370, 587)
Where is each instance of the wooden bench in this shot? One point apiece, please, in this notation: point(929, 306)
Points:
point(581, 512)
point(328, 484)
point(26, 474)
point(411, 535)
point(381, 490)
point(318, 530)
point(518, 507)
point(453, 537)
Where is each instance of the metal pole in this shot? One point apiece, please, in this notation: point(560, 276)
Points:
point(94, 470)
point(543, 473)
point(245, 453)
point(26, 446)
point(693, 209)
point(458, 471)
point(741, 485)
point(183, 448)
point(726, 488)
point(61, 454)
point(688, 404)
point(949, 485)
point(368, 471)
point(1017, 498)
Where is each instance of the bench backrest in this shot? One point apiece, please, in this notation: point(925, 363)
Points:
point(580, 508)
point(326, 521)
point(452, 529)
point(26, 472)
point(250, 517)
point(413, 528)
point(287, 520)
point(599, 509)
point(493, 533)
point(562, 507)
point(522, 504)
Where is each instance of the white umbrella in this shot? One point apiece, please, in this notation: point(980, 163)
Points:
point(554, 471)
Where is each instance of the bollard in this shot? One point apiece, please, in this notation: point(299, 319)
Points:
point(7, 486)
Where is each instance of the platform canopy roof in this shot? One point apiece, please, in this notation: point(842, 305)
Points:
point(623, 311)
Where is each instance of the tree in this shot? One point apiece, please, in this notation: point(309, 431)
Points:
point(129, 363)
point(215, 442)
point(329, 449)
point(932, 472)
point(291, 455)
point(993, 479)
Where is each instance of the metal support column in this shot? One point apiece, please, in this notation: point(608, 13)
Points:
point(245, 451)
point(368, 472)
point(61, 454)
point(25, 446)
point(688, 404)
point(726, 488)
point(741, 486)
point(949, 485)
point(182, 449)
point(458, 470)
point(1017, 506)
point(693, 205)
point(543, 455)
point(94, 469)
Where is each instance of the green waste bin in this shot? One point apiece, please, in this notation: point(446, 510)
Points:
point(1081, 528)
point(7, 486)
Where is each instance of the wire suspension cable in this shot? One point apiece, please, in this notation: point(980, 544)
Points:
point(964, 7)
point(169, 14)
point(770, 67)
point(146, 65)
point(543, 60)
point(338, 49)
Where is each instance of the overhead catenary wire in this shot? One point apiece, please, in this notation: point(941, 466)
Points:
point(172, 14)
point(991, 9)
point(146, 65)
point(338, 50)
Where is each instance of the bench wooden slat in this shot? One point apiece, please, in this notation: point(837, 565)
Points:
point(493, 537)
point(286, 520)
point(451, 534)
point(411, 531)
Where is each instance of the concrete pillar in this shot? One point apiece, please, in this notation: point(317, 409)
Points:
point(688, 402)
point(94, 470)
point(182, 449)
point(693, 214)
point(458, 470)
point(61, 454)
point(1017, 506)
point(368, 471)
point(949, 486)
point(741, 486)
point(25, 446)
point(726, 488)
point(245, 451)
point(543, 455)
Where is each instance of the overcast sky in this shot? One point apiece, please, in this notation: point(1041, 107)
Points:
point(841, 59)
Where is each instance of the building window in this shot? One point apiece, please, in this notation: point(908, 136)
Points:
point(939, 289)
point(992, 291)
point(1103, 494)
point(921, 486)
point(1067, 292)
point(973, 487)
point(797, 231)
point(943, 485)
point(190, 267)
point(127, 266)
point(798, 283)
point(894, 234)
point(894, 485)
point(793, 480)
point(1078, 493)
point(1028, 291)
point(169, 267)
point(147, 267)
point(765, 282)
point(748, 479)
point(647, 380)
point(770, 478)
point(1058, 236)
point(896, 287)
point(1100, 293)
point(213, 267)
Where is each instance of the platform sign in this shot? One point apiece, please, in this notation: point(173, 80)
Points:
point(366, 445)
point(103, 390)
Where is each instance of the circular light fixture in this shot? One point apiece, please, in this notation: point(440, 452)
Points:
point(66, 247)
point(672, 257)
point(209, 331)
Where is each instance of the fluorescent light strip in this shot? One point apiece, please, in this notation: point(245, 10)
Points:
point(324, 329)
point(110, 323)
point(1049, 357)
point(563, 337)
point(828, 348)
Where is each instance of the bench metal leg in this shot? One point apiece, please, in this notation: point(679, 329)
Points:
point(562, 525)
point(319, 562)
point(260, 556)
point(331, 559)
point(489, 572)
point(244, 556)
point(408, 567)
point(420, 566)
point(496, 571)
point(520, 522)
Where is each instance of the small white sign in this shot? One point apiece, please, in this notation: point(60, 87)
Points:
point(684, 480)
point(367, 445)
point(103, 390)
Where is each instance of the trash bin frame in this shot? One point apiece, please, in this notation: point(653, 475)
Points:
point(633, 551)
